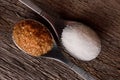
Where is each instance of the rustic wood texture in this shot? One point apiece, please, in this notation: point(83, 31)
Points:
point(101, 15)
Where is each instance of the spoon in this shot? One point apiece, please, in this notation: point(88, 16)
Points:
point(57, 26)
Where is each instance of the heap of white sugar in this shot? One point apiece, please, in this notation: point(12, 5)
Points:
point(81, 41)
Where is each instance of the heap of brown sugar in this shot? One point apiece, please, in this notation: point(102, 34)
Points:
point(32, 37)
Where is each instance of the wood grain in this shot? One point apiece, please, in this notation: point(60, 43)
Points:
point(101, 15)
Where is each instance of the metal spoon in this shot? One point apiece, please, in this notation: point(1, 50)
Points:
point(54, 31)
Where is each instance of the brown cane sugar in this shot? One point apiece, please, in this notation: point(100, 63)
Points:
point(32, 37)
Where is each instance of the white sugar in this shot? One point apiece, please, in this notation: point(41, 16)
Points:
point(81, 42)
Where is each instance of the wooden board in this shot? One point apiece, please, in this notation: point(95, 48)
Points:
point(101, 15)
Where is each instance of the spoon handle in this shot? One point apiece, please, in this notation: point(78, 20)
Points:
point(30, 4)
point(35, 8)
point(85, 75)
point(58, 55)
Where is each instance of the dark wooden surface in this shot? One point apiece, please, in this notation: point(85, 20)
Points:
point(101, 15)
